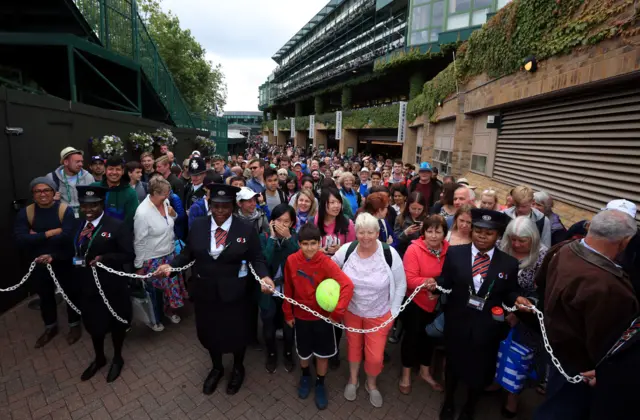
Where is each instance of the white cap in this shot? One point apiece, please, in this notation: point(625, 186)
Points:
point(364, 170)
point(465, 181)
point(195, 153)
point(622, 205)
point(245, 193)
point(297, 163)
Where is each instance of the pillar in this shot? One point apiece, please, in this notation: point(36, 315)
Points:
point(318, 104)
point(299, 112)
point(349, 139)
point(300, 139)
point(282, 137)
point(409, 146)
point(272, 137)
point(320, 138)
point(347, 99)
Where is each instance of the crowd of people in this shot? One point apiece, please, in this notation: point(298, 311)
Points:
point(381, 229)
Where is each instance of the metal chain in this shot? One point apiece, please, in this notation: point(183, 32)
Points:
point(64, 295)
point(25, 278)
point(141, 276)
point(104, 298)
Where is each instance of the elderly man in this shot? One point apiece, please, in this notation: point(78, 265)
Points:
point(589, 303)
point(522, 196)
point(543, 202)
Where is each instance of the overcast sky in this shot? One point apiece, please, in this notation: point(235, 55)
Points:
point(243, 35)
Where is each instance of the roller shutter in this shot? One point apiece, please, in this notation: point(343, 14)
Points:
point(584, 150)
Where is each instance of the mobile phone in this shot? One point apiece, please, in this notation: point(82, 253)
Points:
point(417, 223)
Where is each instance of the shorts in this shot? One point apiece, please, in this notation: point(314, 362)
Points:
point(315, 338)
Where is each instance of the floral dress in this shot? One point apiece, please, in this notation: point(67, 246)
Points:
point(173, 288)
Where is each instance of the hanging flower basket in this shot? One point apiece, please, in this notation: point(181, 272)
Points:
point(206, 144)
point(107, 146)
point(164, 136)
point(141, 142)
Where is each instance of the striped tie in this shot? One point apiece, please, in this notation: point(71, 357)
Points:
point(480, 265)
point(221, 237)
point(86, 232)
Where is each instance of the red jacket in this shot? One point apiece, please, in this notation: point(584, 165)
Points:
point(420, 264)
point(302, 277)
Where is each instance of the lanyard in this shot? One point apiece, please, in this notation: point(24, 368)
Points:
point(471, 293)
point(75, 244)
point(66, 184)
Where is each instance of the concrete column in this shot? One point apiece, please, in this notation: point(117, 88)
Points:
point(320, 138)
point(282, 137)
point(272, 137)
point(409, 146)
point(300, 139)
point(349, 139)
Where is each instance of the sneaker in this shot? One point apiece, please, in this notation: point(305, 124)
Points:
point(279, 334)
point(156, 327)
point(304, 388)
point(175, 319)
point(351, 391)
point(321, 397)
point(288, 363)
point(272, 362)
point(375, 397)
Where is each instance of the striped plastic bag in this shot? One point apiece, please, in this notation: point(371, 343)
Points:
point(514, 364)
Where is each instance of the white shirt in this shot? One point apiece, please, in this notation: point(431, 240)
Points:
point(216, 250)
point(197, 187)
point(153, 233)
point(96, 222)
point(478, 280)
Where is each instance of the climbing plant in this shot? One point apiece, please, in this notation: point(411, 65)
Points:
point(302, 123)
point(375, 117)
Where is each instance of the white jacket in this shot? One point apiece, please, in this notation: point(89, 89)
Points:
point(152, 233)
point(397, 277)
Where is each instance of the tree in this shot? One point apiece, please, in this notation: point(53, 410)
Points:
point(201, 84)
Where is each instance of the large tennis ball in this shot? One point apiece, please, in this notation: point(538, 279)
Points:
point(327, 294)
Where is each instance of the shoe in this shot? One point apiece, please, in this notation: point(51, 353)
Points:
point(334, 362)
point(114, 370)
point(279, 334)
point(211, 383)
point(74, 335)
point(351, 391)
point(93, 368)
point(288, 363)
point(175, 319)
point(272, 362)
point(47, 336)
point(404, 389)
point(447, 412)
point(304, 388)
point(321, 397)
point(235, 383)
point(508, 414)
point(156, 327)
point(375, 397)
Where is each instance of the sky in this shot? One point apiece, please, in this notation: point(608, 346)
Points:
point(243, 35)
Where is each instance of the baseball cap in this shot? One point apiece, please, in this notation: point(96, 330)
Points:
point(97, 158)
point(622, 205)
point(68, 151)
point(297, 163)
point(424, 166)
point(245, 193)
point(364, 170)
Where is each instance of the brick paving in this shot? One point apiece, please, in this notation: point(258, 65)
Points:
point(162, 379)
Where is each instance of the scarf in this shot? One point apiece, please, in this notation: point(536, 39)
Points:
point(302, 218)
point(435, 252)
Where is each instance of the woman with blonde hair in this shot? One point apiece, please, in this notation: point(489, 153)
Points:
point(350, 194)
point(489, 200)
point(460, 233)
point(305, 207)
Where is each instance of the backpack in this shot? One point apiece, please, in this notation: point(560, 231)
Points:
point(31, 211)
point(386, 249)
point(55, 179)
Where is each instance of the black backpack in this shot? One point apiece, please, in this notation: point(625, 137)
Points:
point(386, 249)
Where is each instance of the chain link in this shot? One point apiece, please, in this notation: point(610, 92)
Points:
point(64, 295)
point(104, 298)
point(24, 279)
point(141, 276)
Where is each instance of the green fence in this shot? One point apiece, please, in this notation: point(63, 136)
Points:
point(120, 29)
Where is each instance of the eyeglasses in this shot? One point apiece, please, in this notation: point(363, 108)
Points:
point(45, 191)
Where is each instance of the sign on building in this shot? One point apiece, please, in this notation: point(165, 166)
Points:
point(338, 125)
point(312, 124)
point(275, 128)
point(402, 121)
point(293, 128)
point(265, 139)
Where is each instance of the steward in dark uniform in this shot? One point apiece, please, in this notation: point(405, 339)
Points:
point(109, 241)
point(223, 296)
point(481, 277)
point(194, 189)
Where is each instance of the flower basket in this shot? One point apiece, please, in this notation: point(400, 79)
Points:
point(164, 136)
point(206, 144)
point(141, 142)
point(107, 146)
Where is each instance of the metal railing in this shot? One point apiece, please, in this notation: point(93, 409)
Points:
point(120, 29)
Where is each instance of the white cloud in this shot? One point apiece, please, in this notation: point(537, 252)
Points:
point(242, 35)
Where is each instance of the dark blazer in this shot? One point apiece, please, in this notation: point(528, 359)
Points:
point(472, 337)
point(190, 197)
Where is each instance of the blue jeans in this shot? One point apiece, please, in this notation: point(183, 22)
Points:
point(564, 401)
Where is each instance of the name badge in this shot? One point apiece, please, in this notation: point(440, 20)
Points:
point(76, 213)
point(79, 262)
point(476, 302)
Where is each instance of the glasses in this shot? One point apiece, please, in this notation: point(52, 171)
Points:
point(45, 191)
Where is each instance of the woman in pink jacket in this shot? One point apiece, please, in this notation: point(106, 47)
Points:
point(423, 260)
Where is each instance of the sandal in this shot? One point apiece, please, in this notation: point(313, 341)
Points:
point(404, 389)
point(433, 384)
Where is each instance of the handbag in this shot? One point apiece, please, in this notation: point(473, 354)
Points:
point(143, 310)
point(436, 328)
point(514, 365)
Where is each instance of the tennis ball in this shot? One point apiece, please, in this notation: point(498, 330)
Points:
point(327, 294)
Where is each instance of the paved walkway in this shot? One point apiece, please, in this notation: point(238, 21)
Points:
point(163, 375)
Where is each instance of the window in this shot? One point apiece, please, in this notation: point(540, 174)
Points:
point(457, 6)
point(427, 20)
point(442, 161)
point(479, 163)
point(466, 13)
point(419, 141)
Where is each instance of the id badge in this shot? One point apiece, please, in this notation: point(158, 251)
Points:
point(476, 302)
point(79, 262)
point(76, 213)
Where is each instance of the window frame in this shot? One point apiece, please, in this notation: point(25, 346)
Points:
point(448, 167)
point(486, 163)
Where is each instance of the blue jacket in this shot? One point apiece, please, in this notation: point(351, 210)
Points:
point(256, 186)
point(197, 209)
point(386, 233)
point(179, 228)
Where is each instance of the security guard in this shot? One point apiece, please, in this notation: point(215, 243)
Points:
point(481, 277)
point(225, 291)
point(100, 238)
point(194, 189)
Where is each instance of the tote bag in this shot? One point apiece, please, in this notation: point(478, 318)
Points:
point(514, 364)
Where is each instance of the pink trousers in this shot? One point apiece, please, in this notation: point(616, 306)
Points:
point(372, 343)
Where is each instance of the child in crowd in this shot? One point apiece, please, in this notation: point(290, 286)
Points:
point(304, 271)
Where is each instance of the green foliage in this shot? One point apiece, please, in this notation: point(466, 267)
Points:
point(201, 84)
point(284, 124)
point(403, 57)
point(542, 28)
point(302, 123)
point(416, 81)
point(347, 98)
point(375, 117)
point(327, 119)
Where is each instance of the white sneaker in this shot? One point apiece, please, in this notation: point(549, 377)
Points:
point(351, 391)
point(375, 397)
point(175, 319)
point(156, 327)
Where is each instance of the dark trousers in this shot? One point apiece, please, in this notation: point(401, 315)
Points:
point(238, 359)
point(272, 319)
point(417, 347)
point(46, 290)
point(451, 383)
point(564, 401)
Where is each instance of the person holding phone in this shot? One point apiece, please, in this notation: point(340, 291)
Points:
point(335, 228)
point(409, 223)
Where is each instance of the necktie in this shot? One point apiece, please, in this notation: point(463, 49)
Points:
point(480, 265)
point(86, 232)
point(221, 237)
